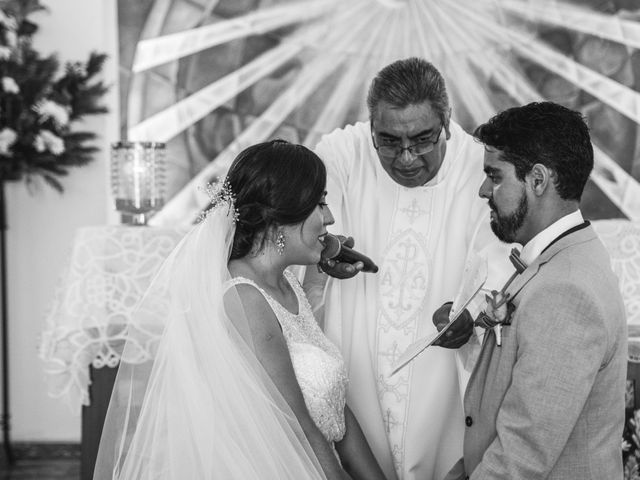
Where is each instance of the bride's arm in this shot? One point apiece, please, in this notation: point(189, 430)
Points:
point(272, 352)
point(355, 453)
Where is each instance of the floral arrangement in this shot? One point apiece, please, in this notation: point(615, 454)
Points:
point(38, 106)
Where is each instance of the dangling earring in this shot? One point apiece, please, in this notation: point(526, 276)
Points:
point(280, 243)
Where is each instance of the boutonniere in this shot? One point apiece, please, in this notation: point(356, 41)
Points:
point(498, 310)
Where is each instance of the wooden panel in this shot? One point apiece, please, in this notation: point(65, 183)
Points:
point(93, 417)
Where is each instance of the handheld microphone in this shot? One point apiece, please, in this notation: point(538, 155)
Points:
point(334, 249)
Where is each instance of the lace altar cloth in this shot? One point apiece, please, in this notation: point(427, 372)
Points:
point(622, 240)
point(109, 269)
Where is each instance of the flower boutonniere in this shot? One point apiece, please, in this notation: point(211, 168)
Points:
point(498, 309)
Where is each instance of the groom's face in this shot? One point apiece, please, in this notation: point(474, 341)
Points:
point(507, 197)
point(506, 225)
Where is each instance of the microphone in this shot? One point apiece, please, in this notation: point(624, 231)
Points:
point(334, 249)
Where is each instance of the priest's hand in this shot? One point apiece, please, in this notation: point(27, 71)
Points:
point(459, 333)
point(341, 270)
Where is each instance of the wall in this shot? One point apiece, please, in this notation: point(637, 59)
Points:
point(41, 224)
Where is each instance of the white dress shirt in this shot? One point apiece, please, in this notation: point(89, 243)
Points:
point(537, 244)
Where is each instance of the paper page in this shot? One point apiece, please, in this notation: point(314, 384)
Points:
point(474, 277)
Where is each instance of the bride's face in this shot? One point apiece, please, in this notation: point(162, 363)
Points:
point(304, 240)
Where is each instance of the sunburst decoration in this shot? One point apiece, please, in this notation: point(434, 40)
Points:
point(479, 46)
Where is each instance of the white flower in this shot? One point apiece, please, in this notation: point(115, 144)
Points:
point(49, 109)
point(11, 38)
point(496, 307)
point(9, 85)
point(8, 21)
point(8, 137)
point(79, 69)
point(5, 52)
point(47, 140)
point(38, 144)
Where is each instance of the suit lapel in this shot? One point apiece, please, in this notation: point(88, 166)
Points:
point(489, 346)
point(566, 241)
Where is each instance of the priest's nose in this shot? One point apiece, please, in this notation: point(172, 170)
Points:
point(406, 157)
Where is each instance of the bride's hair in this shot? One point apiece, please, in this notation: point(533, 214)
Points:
point(274, 183)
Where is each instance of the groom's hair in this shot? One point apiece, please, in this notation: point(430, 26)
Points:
point(545, 133)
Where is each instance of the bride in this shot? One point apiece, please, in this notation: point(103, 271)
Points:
point(242, 384)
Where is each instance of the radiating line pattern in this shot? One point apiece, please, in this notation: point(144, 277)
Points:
point(477, 44)
point(569, 16)
point(153, 52)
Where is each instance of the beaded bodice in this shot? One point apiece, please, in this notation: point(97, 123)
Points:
point(317, 363)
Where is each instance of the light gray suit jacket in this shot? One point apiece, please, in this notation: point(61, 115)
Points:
point(549, 403)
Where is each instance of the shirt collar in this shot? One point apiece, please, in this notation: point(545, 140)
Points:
point(537, 244)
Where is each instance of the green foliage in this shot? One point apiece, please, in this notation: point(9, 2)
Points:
point(38, 105)
point(631, 447)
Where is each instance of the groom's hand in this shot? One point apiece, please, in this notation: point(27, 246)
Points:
point(459, 333)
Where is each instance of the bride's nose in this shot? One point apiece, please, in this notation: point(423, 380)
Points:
point(327, 216)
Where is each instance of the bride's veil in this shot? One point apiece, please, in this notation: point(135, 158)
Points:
point(201, 406)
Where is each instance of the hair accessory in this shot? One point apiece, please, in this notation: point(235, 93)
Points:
point(280, 243)
point(220, 195)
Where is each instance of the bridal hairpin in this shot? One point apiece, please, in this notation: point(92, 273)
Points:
point(220, 195)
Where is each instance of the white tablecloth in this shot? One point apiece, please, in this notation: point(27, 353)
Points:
point(109, 269)
point(622, 239)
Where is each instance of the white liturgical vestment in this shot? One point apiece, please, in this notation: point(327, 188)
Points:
point(420, 238)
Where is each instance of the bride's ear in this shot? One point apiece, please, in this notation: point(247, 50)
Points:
point(268, 240)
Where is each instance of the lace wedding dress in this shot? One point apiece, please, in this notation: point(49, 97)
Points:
point(202, 406)
point(317, 362)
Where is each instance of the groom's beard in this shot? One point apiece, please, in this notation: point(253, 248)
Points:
point(505, 227)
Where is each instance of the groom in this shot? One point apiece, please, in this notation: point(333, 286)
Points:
point(548, 402)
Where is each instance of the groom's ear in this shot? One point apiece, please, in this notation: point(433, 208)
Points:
point(539, 179)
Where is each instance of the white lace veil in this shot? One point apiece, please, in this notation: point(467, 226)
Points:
point(202, 407)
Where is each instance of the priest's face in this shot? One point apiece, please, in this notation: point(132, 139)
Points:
point(411, 142)
point(507, 197)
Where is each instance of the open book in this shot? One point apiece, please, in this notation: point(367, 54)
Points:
point(473, 279)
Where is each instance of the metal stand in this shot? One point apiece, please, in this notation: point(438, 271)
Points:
point(5, 331)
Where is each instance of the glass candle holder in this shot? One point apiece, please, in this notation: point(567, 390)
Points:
point(138, 179)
